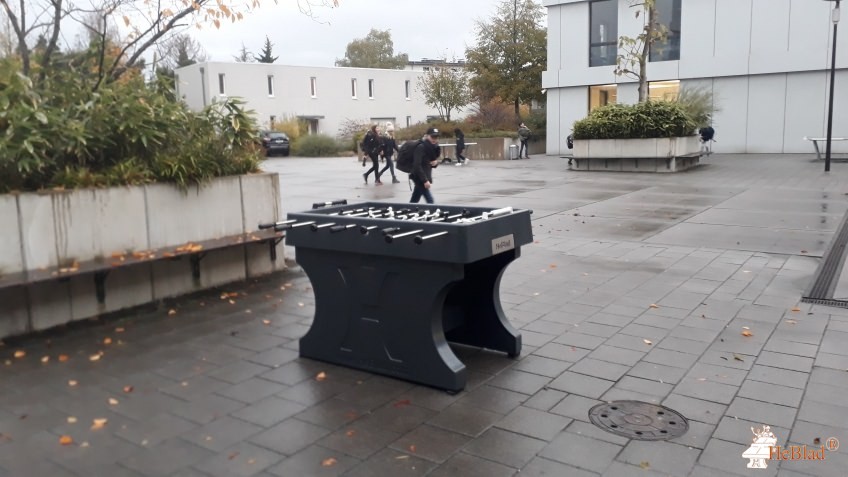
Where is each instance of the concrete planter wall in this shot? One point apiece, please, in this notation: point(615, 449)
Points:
point(491, 148)
point(637, 155)
point(56, 228)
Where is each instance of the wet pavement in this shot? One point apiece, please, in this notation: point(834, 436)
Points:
point(681, 290)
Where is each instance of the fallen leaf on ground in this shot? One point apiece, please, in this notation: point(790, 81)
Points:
point(403, 402)
point(329, 462)
point(113, 401)
point(251, 461)
point(803, 251)
point(300, 304)
point(747, 333)
point(84, 444)
point(796, 309)
point(72, 420)
point(737, 357)
point(128, 389)
point(248, 311)
point(817, 441)
point(402, 457)
point(63, 358)
point(702, 379)
point(266, 322)
point(107, 340)
point(98, 423)
point(45, 359)
point(654, 305)
point(95, 357)
point(20, 353)
point(172, 312)
point(72, 382)
point(119, 330)
point(350, 433)
point(791, 322)
point(411, 447)
point(232, 456)
point(232, 302)
point(321, 376)
point(647, 342)
point(645, 464)
point(66, 440)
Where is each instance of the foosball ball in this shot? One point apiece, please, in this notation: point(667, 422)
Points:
point(394, 283)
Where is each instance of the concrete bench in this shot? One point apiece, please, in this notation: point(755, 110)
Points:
point(99, 268)
point(816, 140)
point(448, 159)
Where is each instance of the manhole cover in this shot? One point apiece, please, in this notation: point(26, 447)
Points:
point(639, 420)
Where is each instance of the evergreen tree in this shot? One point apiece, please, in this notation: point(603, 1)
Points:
point(266, 56)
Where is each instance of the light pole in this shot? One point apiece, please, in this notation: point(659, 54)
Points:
point(834, 16)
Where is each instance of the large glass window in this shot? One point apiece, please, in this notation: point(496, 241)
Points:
point(663, 90)
point(602, 95)
point(603, 33)
point(668, 14)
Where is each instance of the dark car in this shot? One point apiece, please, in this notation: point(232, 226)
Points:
point(274, 143)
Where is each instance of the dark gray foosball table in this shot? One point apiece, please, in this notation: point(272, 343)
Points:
point(395, 282)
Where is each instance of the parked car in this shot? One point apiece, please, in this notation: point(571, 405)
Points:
point(274, 143)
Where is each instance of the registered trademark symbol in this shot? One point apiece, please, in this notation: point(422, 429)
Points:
point(832, 444)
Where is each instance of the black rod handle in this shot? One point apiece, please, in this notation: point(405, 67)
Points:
point(315, 227)
point(339, 228)
point(419, 239)
point(389, 230)
point(391, 238)
point(365, 229)
point(319, 205)
point(276, 224)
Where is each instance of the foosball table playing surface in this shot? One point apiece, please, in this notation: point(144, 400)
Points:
point(394, 283)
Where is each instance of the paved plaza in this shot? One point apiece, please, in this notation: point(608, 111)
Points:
point(682, 290)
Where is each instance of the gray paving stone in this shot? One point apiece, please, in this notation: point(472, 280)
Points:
point(599, 369)
point(312, 392)
point(834, 361)
point(783, 377)
point(695, 409)
point(333, 413)
point(467, 420)
point(664, 457)
point(238, 372)
point(772, 393)
point(616, 355)
point(671, 358)
point(657, 372)
point(822, 413)
point(222, 433)
point(701, 388)
point(269, 411)
point(727, 359)
point(494, 399)
point(399, 417)
point(739, 430)
point(580, 340)
point(468, 465)
point(152, 431)
point(609, 319)
point(252, 390)
point(241, 460)
point(166, 458)
point(289, 436)
point(581, 384)
point(832, 377)
point(697, 436)
point(542, 366)
point(586, 429)
point(596, 329)
point(758, 411)
point(804, 432)
point(630, 342)
point(314, 461)
point(575, 407)
point(545, 399)
point(391, 462)
point(539, 467)
point(651, 333)
point(644, 386)
point(519, 381)
point(359, 440)
point(195, 388)
point(504, 447)
point(207, 408)
point(695, 334)
point(834, 343)
point(726, 457)
point(798, 350)
point(572, 449)
point(533, 423)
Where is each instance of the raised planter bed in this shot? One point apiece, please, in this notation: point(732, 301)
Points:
point(636, 155)
point(110, 249)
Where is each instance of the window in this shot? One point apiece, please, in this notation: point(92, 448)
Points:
point(220, 83)
point(406, 88)
point(353, 88)
point(408, 121)
point(270, 85)
point(668, 14)
point(603, 33)
point(602, 95)
point(426, 68)
point(371, 89)
point(313, 86)
point(177, 85)
point(663, 90)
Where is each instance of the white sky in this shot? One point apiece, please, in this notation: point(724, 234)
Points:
point(422, 29)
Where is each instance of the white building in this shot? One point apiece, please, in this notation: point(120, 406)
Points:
point(323, 96)
point(766, 61)
point(427, 64)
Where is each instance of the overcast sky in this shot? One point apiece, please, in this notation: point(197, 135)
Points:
point(422, 29)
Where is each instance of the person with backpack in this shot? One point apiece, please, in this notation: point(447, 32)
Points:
point(425, 157)
point(460, 146)
point(523, 137)
point(389, 148)
point(372, 146)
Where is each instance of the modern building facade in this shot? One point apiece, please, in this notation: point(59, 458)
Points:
point(325, 97)
point(767, 63)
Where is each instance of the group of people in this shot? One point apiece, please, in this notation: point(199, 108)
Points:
point(425, 156)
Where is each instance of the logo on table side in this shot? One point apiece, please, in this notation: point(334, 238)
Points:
point(764, 448)
point(502, 244)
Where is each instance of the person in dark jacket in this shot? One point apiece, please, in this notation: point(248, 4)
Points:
point(389, 148)
point(424, 158)
point(460, 146)
point(523, 137)
point(372, 146)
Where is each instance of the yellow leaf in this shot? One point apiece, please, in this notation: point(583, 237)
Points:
point(747, 333)
point(72, 382)
point(645, 464)
point(72, 420)
point(95, 357)
point(350, 433)
point(737, 357)
point(20, 353)
point(266, 322)
point(411, 447)
point(126, 20)
point(796, 309)
point(66, 440)
point(167, 13)
point(98, 423)
point(45, 359)
point(654, 305)
point(63, 358)
point(791, 322)
point(119, 330)
point(172, 312)
point(217, 23)
point(329, 462)
point(113, 401)
point(321, 376)
point(300, 304)
point(107, 340)
point(128, 389)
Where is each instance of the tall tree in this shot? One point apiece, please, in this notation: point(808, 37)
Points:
point(445, 89)
point(182, 50)
point(244, 56)
point(376, 50)
point(632, 60)
point(511, 54)
point(267, 53)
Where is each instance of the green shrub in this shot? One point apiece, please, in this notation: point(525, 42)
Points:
point(61, 134)
point(317, 145)
point(650, 119)
point(699, 104)
point(292, 127)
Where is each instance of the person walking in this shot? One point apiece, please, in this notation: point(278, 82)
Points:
point(523, 137)
point(372, 145)
point(424, 158)
point(460, 146)
point(389, 148)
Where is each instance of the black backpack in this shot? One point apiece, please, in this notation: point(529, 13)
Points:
point(406, 156)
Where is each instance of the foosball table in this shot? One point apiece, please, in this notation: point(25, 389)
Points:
point(395, 282)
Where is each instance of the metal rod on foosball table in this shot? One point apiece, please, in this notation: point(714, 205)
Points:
point(391, 238)
point(277, 225)
point(340, 228)
point(316, 227)
point(318, 205)
point(419, 239)
point(365, 229)
point(302, 224)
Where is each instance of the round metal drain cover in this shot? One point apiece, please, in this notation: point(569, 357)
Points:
point(639, 420)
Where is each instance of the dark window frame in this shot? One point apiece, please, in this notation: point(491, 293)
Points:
point(669, 49)
point(610, 44)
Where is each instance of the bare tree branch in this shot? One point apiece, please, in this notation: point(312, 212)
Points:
point(18, 27)
point(54, 39)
